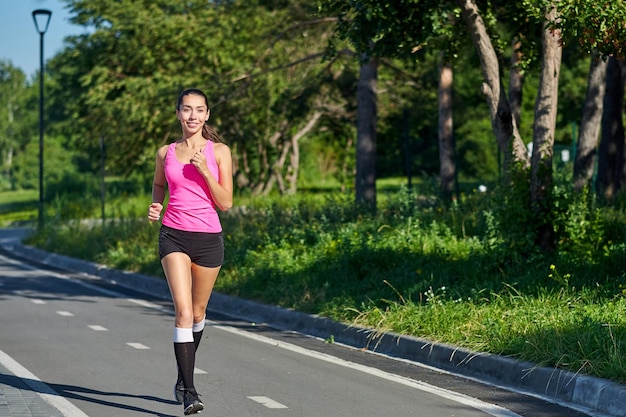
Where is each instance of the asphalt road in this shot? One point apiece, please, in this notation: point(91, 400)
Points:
point(105, 351)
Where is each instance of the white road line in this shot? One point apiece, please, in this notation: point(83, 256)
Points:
point(139, 346)
point(52, 397)
point(37, 301)
point(487, 408)
point(144, 303)
point(199, 371)
point(267, 402)
point(98, 328)
point(65, 313)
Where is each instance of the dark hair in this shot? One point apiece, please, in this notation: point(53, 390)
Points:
point(207, 131)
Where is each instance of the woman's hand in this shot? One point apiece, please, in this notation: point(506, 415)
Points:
point(199, 161)
point(154, 212)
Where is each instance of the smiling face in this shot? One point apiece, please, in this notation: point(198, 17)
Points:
point(192, 113)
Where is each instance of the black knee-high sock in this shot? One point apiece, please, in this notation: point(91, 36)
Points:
point(186, 360)
point(197, 336)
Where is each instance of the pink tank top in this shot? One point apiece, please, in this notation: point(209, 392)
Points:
point(190, 207)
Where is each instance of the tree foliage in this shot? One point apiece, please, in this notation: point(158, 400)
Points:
point(282, 79)
point(596, 26)
point(17, 122)
point(259, 62)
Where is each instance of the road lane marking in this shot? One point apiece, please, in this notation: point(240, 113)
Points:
point(41, 388)
point(487, 408)
point(267, 402)
point(199, 371)
point(65, 314)
point(139, 346)
point(144, 303)
point(98, 328)
point(37, 301)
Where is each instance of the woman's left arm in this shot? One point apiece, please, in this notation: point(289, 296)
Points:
point(222, 190)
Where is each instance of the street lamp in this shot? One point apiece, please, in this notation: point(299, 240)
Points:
point(41, 17)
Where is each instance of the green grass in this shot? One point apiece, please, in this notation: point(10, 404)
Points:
point(18, 207)
point(417, 267)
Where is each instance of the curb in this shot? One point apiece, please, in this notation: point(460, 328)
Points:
point(563, 387)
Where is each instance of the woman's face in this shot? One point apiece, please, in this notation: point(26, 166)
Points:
point(192, 113)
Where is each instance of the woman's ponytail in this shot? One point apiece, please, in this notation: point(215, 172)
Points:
point(210, 134)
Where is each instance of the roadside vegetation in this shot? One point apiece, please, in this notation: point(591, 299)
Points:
point(460, 274)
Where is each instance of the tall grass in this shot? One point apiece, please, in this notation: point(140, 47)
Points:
point(450, 273)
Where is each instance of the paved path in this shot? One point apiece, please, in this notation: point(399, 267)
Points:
point(17, 397)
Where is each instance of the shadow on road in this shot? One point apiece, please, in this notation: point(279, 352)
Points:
point(73, 392)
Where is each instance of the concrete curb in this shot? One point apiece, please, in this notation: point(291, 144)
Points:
point(584, 392)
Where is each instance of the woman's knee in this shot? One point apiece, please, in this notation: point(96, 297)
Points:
point(199, 313)
point(184, 318)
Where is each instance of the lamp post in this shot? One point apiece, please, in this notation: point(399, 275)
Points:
point(41, 17)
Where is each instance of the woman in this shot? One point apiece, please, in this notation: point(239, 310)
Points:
point(198, 172)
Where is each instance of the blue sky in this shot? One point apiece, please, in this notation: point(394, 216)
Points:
point(19, 40)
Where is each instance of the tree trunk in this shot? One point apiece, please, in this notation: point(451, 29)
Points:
point(365, 182)
point(285, 168)
point(447, 165)
point(611, 152)
point(590, 124)
point(516, 82)
point(502, 121)
point(543, 134)
point(294, 159)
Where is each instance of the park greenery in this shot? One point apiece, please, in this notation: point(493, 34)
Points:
point(336, 115)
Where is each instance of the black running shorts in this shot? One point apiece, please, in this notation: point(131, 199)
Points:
point(204, 249)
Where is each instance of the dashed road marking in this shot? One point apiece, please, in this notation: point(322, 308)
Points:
point(37, 301)
point(267, 402)
point(139, 346)
point(144, 303)
point(65, 313)
point(98, 328)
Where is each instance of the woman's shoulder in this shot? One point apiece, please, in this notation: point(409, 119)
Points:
point(220, 147)
point(221, 150)
point(162, 151)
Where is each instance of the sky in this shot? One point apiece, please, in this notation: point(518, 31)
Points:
point(19, 39)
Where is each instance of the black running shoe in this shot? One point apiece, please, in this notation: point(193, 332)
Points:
point(179, 392)
point(191, 402)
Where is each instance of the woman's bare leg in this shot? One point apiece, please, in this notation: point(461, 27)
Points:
point(203, 280)
point(191, 286)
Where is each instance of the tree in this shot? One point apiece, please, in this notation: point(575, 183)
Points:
point(584, 163)
point(611, 152)
point(365, 183)
point(516, 80)
point(447, 163)
point(543, 133)
point(598, 29)
point(17, 120)
point(266, 83)
point(399, 28)
point(503, 123)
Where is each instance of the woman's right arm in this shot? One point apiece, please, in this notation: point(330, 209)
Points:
point(158, 186)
